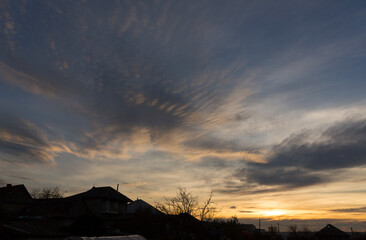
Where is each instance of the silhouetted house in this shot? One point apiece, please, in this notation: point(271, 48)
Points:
point(330, 232)
point(140, 206)
point(98, 201)
point(14, 194)
point(127, 237)
point(248, 227)
point(103, 201)
point(359, 236)
point(54, 216)
point(55, 208)
point(183, 225)
point(13, 199)
point(93, 212)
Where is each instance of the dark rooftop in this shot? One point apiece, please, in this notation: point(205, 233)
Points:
point(17, 193)
point(102, 192)
point(331, 231)
point(141, 205)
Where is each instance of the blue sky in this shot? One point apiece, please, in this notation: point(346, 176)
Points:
point(261, 101)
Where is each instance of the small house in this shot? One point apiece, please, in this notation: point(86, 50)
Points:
point(13, 199)
point(330, 232)
point(103, 201)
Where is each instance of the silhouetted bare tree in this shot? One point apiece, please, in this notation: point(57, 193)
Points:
point(302, 234)
point(186, 202)
point(208, 210)
point(46, 193)
point(183, 202)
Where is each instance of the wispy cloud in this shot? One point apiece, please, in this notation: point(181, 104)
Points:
point(350, 210)
point(23, 142)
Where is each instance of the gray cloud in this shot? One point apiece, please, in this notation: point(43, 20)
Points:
point(290, 177)
point(214, 143)
point(297, 162)
point(22, 178)
point(213, 162)
point(343, 147)
point(21, 141)
point(350, 210)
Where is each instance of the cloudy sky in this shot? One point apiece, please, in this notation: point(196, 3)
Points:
point(262, 101)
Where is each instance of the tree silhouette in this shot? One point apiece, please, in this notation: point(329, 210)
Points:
point(183, 202)
point(46, 193)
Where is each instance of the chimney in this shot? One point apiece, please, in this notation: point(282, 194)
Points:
point(117, 186)
point(8, 185)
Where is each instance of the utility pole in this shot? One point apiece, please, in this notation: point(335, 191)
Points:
point(259, 224)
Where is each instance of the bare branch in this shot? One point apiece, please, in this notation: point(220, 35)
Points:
point(208, 210)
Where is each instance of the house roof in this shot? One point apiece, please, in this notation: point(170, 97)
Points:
point(331, 231)
point(15, 194)
point(141, 205)
point(102, 192)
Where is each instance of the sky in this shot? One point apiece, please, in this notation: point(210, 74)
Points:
point(262, 102)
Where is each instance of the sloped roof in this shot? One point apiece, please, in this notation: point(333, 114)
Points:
point(141, 205)
point(331, 231)
point(16, 194)
point(102, 192)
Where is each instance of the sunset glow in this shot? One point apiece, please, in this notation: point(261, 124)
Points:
point(274, 213)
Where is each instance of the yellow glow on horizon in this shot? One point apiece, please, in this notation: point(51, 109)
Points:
point(274, 213)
